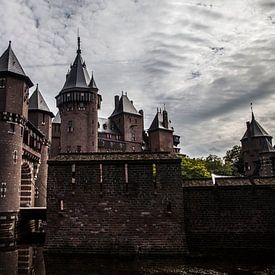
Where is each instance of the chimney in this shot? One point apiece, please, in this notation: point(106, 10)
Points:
point(116, 101)
point(165, 119)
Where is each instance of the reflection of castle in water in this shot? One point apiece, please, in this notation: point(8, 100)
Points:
point(24, 260)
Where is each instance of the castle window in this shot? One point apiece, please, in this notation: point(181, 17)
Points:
point(70, 126)
point(98, 125)
point(36, 193)
point(104, 126)
point(3, 189)
point(21, 131)
point(133, 148)
point(2, 82)
point(81, 106)
point(43, 119)
point(11, 128)
point(15, 157)
point(82, 94)
point(126, 176)
point(133, 137)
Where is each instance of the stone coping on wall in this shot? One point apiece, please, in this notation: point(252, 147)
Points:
point(114, 156)
point(228, 181)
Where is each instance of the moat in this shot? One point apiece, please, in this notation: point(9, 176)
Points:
point(33, 259)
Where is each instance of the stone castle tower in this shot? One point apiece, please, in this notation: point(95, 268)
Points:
point(25, 135)
point(14, 93)
point(255, 142)
point(41, 117)
point(78, 103)
point(161, 136)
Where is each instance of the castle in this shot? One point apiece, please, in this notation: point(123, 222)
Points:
point(111, 186)
point(29, 136)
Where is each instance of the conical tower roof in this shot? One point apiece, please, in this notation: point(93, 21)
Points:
point(255, 129)
point(78, 76)
point(9, 64)
point(38, 103)
point(92, 83)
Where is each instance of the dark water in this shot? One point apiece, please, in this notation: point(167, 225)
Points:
point(32, 259)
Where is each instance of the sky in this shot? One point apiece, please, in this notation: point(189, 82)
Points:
point(205, 60)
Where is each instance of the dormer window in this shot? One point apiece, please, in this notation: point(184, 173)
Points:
point(2, 83)
point(104, 126)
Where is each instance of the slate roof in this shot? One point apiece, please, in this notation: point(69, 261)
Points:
point(125, 106)
point(158, 123)
point(107, 126)
point(256, 129)
point(92, 83)
point(78, 76)
point(10, 64)
point(57, 118)
point(37, 102)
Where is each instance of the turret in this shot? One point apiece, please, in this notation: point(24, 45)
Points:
point(129, 122)
point(161, 133)
point(14, 91)
point(41, 117)
point(78, 103)
point(254, 142)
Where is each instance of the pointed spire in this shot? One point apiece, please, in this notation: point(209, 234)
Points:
point(38, 103)
point(10, 64)
point(251, 107)
point(92, 83)
point(78, 45)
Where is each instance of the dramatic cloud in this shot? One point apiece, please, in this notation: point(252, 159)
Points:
point(206, 60)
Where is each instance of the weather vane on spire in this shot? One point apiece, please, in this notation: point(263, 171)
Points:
point(78, 42)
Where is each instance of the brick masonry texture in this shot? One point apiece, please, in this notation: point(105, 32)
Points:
point(110, 215)
point(235, 213)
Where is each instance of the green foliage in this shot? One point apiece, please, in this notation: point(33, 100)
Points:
point(215, 165)
point(234, 157)
point(193, 168)
point(230, 165)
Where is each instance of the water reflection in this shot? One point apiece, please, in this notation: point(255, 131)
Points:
point(31, 260)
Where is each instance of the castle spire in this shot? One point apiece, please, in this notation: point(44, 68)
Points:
point(251, 107)
point(78, 44)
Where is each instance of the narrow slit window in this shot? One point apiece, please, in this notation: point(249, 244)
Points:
point(126, 176)
point(61, 205)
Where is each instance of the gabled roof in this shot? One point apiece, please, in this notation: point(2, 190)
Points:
point(255, 129)
point(158, 122)
point(125, 106)
point(38, 103)
point(10, 64)
point(57, 118)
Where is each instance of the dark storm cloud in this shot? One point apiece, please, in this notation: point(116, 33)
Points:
point(206, 60)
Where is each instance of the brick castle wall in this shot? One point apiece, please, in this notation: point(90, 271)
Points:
point(114, 203)
point(235, 213)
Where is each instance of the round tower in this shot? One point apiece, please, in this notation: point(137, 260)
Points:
point(14, 91)
point(78, 103)
point(41, 117)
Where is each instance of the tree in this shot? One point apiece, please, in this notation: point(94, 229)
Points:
point(193, 168)
point(235, 159)
point(215, 165)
